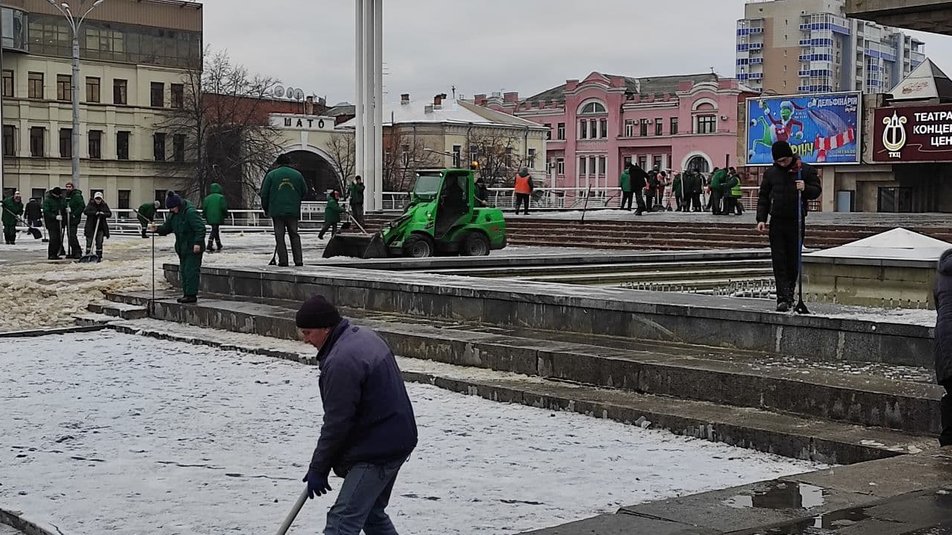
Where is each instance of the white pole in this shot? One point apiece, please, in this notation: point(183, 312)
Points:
point(378, 103)
point(367, 98)
point(359, 98)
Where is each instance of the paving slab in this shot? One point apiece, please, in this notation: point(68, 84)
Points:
point(622, 524)
point(897, 476)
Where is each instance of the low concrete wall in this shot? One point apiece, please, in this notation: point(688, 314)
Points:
point(694, 319)
point(887, 284)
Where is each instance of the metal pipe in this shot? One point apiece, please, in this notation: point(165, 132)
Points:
point(378, 102)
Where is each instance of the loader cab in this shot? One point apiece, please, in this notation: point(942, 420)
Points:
point(455, 200)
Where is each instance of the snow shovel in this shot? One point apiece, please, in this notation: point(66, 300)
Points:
point(89, 257)
point(801, 307)
point(30, 230)
point(585, 206)
point(286, 525)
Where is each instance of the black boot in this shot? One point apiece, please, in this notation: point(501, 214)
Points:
point(187, 299)
point(144, 236)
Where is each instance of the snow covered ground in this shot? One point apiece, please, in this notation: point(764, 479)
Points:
point(110, 433)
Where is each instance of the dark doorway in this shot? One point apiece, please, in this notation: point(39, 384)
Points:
point(699, 164)
point(318, 173)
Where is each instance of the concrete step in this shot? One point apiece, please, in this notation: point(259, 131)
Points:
point(793, 436)
point(610, 268)
point(716, 375)
point(120, 310)
point(690, 279)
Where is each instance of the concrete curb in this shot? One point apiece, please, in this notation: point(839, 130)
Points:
point(15, 520)
point(44, 332)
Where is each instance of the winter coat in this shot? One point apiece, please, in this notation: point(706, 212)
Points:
point(146, 213)
point(639, 178)
point(215, 206)
point(282, 192)
point(717, 180)
point(367, 412)
point(624, 182)
point(188, 227)
point(355, 193)
point(733, 184)
point(677, 185)
point(52, 207)
point(694, 183)
point(332, 211)
point(524, 185)
point(93, 211)
point(943, 322)
point(11, 209)
point(482, 192)
point(778, 192)
point(33, 210)
point(76, 205)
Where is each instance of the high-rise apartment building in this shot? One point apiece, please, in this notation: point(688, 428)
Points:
point(809, 46)
point(134, 55)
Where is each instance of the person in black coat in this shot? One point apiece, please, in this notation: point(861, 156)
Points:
point(639, 181)
point(34, 213)
point(778, 200)
point(97, 224)
point(943, 342)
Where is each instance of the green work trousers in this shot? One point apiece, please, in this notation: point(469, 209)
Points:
point(190, 268)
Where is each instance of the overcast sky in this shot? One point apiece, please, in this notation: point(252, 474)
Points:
point(483, 46)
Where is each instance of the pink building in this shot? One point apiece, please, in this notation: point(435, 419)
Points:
point(601, 123)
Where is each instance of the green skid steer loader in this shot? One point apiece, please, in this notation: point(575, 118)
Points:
point(443, 218)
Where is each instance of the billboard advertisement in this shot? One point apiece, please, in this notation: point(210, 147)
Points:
point(823, 129)
point(915, 134)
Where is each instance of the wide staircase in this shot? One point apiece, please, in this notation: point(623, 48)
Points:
point(667, 235)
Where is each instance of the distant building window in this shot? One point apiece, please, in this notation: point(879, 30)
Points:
point(64, 87)
point(178, 96)
point(583, 130)
point(457, 156)
point(120, 92)
point(706, 124)
point(158, 146)
point(8, 84)
point(124, 199)
point(95, 144)
point(674, 126)
point(659, 127)
point(122, 145)
point(560, 166)
point(603, 128)
point(582, 166)
point(593, 129)
point(9, 140)
point(629, 128)
point(178, 147)
point(561, 131)
point(657, 162)
point(643, 128)
point(592, 107)
point(92, 89)
point(35, 85)
point(66, 142)
point(37, 145)
point(531, 158)
point(548, 131)
point(158, 95)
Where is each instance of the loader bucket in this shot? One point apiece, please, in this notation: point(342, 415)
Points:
point(357, 246)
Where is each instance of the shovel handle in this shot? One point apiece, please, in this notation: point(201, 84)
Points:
point(286, 525)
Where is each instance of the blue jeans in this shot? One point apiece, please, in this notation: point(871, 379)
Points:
point(362, 500)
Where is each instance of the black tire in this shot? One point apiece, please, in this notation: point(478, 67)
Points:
point(475, 244)
point(418, 246)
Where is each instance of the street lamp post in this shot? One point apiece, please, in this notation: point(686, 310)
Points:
point(75, 24)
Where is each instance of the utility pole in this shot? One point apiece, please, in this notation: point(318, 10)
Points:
point(75, 25)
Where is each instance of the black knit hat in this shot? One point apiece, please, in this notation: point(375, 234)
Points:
point(781, 149)
point(317, 313)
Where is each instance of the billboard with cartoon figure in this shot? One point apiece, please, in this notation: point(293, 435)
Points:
point(822, 129)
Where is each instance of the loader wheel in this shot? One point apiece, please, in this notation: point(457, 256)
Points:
point(418, 247)
point(476, 244)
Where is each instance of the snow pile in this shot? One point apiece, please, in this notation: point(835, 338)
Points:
point(128, 435)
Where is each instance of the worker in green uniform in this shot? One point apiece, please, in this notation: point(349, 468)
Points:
point(146, 214)
point(54, 210)
point(189, 230)
point(75, 205)
point(215, 209)
point(12, 210)
point(331, 215)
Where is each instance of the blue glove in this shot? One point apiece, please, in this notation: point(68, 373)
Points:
point(317, 484)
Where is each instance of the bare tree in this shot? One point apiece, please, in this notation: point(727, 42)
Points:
point(224, 117)
point(342, 149)
point(495, 151)
point(403, 156)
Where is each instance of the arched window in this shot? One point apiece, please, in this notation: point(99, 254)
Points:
point(592, 108)
point(699, 164)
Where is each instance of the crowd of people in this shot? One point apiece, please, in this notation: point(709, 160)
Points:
point(657, 190)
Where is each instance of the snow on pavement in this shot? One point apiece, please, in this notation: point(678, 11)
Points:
point(113, 433)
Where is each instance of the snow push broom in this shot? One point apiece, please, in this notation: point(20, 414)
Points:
point(286, 525)
point(89, 257)
point(363, 245)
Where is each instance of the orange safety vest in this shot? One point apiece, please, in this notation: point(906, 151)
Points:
point(522, 185)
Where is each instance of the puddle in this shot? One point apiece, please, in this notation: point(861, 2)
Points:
point(828, 523)
point(779, 495)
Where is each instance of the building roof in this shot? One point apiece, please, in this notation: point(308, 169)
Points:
point(450, 112)
point(651, 85)
point(342, 109)
point(926, 82)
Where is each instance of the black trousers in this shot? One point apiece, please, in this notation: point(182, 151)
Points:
point(289, 226)
point(56, 239)
point(729, 203)
point(784, 255)
point(522, 198)
point(716, 202)
point(214, 237)
point(945, 438)
point(640, 200)
point(331, 226)
point(694, 202)
point(627, 197)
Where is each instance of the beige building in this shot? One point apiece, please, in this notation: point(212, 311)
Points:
point(134, 54)
point(810, 46)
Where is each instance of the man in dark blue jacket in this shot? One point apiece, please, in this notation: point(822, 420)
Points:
point(369, 429)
